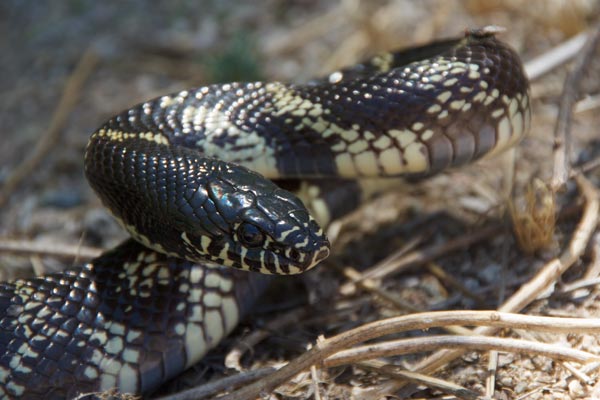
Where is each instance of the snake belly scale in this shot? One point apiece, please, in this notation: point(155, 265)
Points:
point(190, 176)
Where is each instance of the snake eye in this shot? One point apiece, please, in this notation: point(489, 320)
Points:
point(250, 235)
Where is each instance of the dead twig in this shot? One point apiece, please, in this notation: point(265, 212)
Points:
point(213, 388)
point(370, 285)
point(314, 374)
point(579, 374)
point(323, 348)
point(232, 360)
point(464, 343)
point(570, 95)
point(50, 138)
point(490, 381)
point(450, 281)
point(373, 287)
point(546, 277)
point(556, 57)
point(27, 247)
point(396, 263)
point(402, 260)
point(396, 372)
point(294, 38)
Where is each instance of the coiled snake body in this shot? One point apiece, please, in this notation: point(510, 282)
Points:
point(187, 176)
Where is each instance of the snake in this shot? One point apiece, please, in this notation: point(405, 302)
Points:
point(217, 183)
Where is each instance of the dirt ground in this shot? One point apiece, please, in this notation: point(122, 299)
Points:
point(135, 50)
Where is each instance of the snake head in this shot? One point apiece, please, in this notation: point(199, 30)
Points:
point(202, 209)
point(259, 226)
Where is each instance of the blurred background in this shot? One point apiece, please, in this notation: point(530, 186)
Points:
point(66, 66)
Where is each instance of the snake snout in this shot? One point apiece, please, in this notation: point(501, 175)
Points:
point(318, 247)
point(311, 259)
point(321, 255)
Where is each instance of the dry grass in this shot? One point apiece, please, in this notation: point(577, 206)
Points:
point(534, 224)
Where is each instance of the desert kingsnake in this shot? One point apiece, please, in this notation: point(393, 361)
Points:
point(176, 173)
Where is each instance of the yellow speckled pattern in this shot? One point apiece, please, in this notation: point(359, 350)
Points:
point(412, 112)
